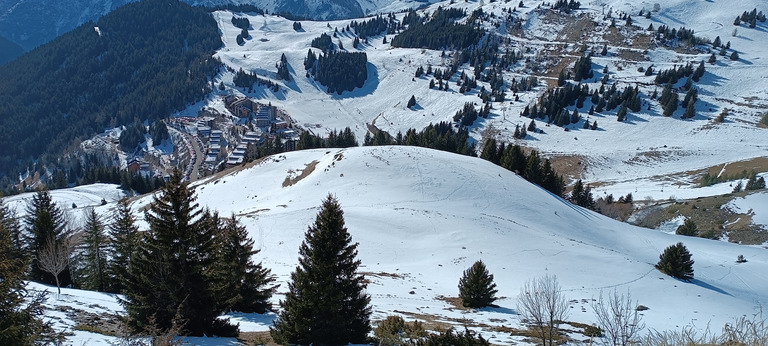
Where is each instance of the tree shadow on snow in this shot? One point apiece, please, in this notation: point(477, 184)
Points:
point(265, 319)
point(499, 309)
point(703, 284)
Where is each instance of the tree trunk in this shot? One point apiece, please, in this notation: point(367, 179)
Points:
point(57, 286)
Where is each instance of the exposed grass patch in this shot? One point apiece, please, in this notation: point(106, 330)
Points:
point(256, 338)
point(93, 329)
point(308, 169)
point(712, 220)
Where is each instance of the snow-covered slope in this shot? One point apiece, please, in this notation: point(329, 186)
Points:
point(645, 150)
point(421, 217)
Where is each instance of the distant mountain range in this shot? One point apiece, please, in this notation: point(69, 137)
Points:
point(30, 23)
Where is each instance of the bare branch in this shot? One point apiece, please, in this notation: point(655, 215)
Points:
point(618, 317)
point(54, 257)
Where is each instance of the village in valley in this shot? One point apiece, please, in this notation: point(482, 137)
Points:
point(214, 140)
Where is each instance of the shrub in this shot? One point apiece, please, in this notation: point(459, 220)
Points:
point(394, 331)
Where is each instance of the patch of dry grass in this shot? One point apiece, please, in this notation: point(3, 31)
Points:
point(308, 169)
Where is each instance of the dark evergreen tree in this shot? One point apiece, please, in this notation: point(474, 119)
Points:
point(622, 113)
point(582, 195)
point(676, 261)
point(325, 303)
point(124, 239)
point(476, 287)
point(10, 224)
point(687, 228)
point(734, 56)
point(754, 182)
point(94, 253)
point(411, 101)
point(249, 284)
point(21, 313)
point(45, 223)
point(169, 282)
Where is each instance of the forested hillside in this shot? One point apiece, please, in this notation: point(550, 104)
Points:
point(142, 61)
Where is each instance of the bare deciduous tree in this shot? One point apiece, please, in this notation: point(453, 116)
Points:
point(542, 303)
point(618, 317)
point(54, 257)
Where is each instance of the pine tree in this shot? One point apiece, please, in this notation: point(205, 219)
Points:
point(690, 110)
point(11, 225)
point(249, 283)
point(676, 261)
point(94, 253)
point(687, 228)
point(124, 238)
point(622, 113)
point(582, 195)
point(476, 287)
point(168, 278)
point(45, 223)
point(21, 313)
point(325, 303)
point(411, 101)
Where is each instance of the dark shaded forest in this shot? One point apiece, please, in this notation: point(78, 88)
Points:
point(439, 32)
point(145, 61)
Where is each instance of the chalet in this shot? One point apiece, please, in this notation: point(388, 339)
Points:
point(134, 165)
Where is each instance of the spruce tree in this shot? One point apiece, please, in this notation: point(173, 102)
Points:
point(249, 283)
point(687, 228)
point(168, 280)
point(124, 238)
point(21, 313)
point(676, 261)
point(94, 253)
point(45, 223)
point(325, 303)
point(476, 287)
